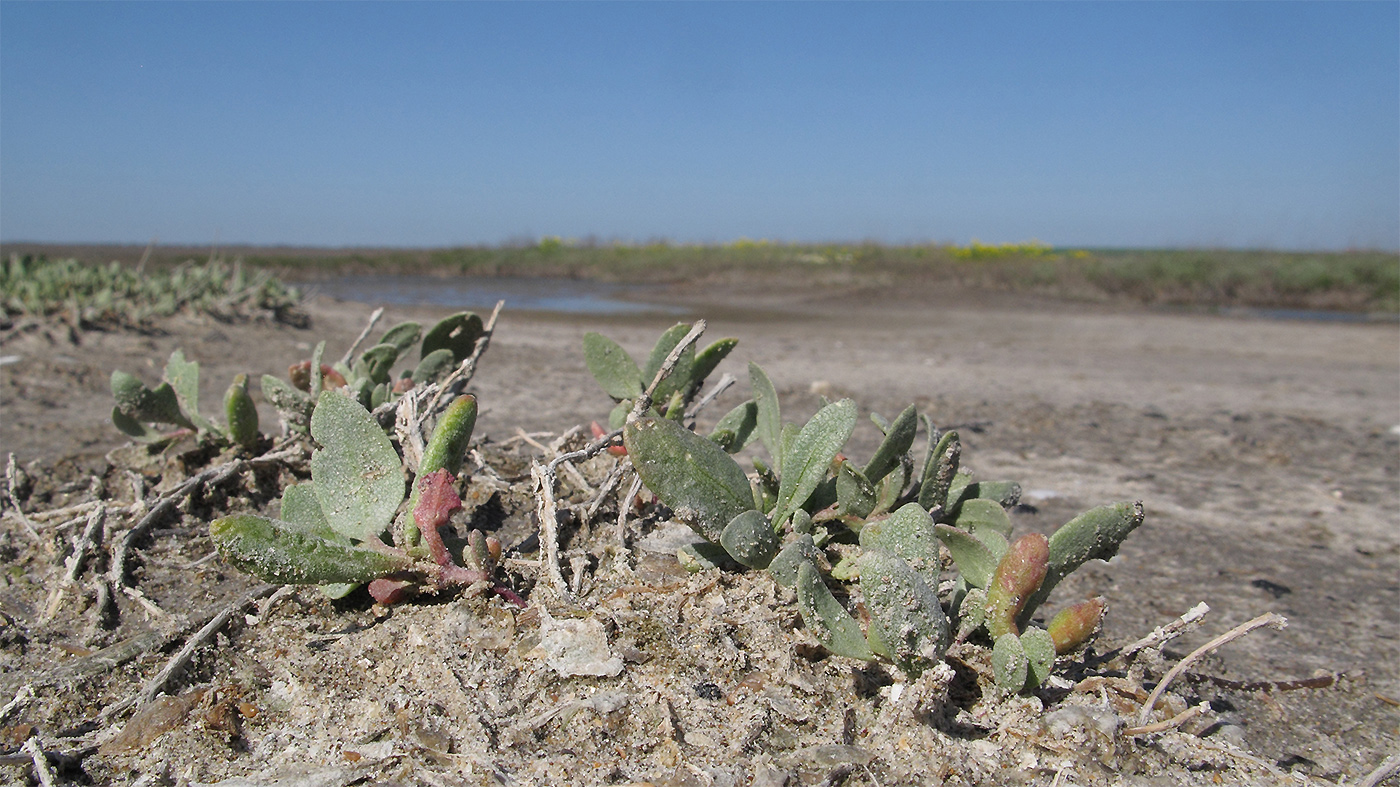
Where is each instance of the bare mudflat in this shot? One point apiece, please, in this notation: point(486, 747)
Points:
point(1267, 455)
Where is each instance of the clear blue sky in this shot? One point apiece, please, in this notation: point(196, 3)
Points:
point(431, 124)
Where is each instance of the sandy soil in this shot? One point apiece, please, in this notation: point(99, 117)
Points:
point(1267, 454)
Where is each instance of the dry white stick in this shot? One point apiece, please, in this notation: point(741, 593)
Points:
point(151, 689)
point(88, 540)
point(1388, 768)
point(1271, 619)
point(667, 366)
point(1164, 634)
point(623, 505)
point(373, 318)
point(549, 528)
point(720, 387)
point(11, 484)
point(24, 695)
point(41, 763)
point(614, 476)
point(577, 477)
point(1170, 724)
point(528, 439)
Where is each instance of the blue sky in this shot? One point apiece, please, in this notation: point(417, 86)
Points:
point(432, 124)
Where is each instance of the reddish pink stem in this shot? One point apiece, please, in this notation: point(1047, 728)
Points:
point(436, 502)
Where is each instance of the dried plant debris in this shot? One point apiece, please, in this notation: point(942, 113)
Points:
point(634, 608)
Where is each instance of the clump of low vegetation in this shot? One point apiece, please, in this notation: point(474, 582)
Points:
point(114, 295)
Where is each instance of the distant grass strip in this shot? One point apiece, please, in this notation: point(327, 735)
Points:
point(113, 295)
point(1353, 281)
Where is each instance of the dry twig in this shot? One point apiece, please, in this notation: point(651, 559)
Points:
point(1388, 768)
point(156, 684)
point(42, 770)
point(88, 540)
point(373, 318)
point(1170, 724)
point(1271, 619)
point(1163, 634)
point(644, 402)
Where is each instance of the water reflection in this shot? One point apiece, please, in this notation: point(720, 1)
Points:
point(569, 296)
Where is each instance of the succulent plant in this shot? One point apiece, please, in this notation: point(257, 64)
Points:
point(331, 529)
point(175, 402)
point(625, 381)
point(104, 295)
point(780, 517)
point(369, 377)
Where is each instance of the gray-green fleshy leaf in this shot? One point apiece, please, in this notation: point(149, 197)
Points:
point(317, 375)
point(617, 418)
point(957, 490)
point(740, 425)
point(453, 432)
point(1093, 535)
point(1039, 648)
point(379, 362)
point(784, 567)
point(457, 333)
point(434, 366)
point(379, 395)
point(1004, 493)
point(700, 482)
point(806, 461)
point(855, 495)
point(612, 367)
point(909, 534)
point(977, 516)
point(183, 377)
point(939, 472)
point(975, 561)
point(136, 401)
point(1009, 663)
point(241, 412)
point(707, 359)
point(891, 487)
point(770, 424)
point(749, 538)
point(293, 404)
point(899, 436)
point(824, 616)
point(702, 556)
point(679, 378)
point(905, 616)
point(135, 429)
point(403, 336)
point(278, 552)
point(972, 612)
point(359, 477)
point(302, 509)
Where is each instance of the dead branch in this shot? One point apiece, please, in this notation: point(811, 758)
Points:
point(644, 401)
point(373, 318)
point(1169, 724)
point(549, 526)
point(1271, 619)
point(156, 684)
point(42, 770)
point(720, 387)
point(88, 540)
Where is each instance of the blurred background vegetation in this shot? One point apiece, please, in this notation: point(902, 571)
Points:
point(1350, 281)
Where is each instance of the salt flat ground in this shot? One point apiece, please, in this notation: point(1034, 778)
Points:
point(1266, 452)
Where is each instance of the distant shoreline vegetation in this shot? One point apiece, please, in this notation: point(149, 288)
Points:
point(1349, 281)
